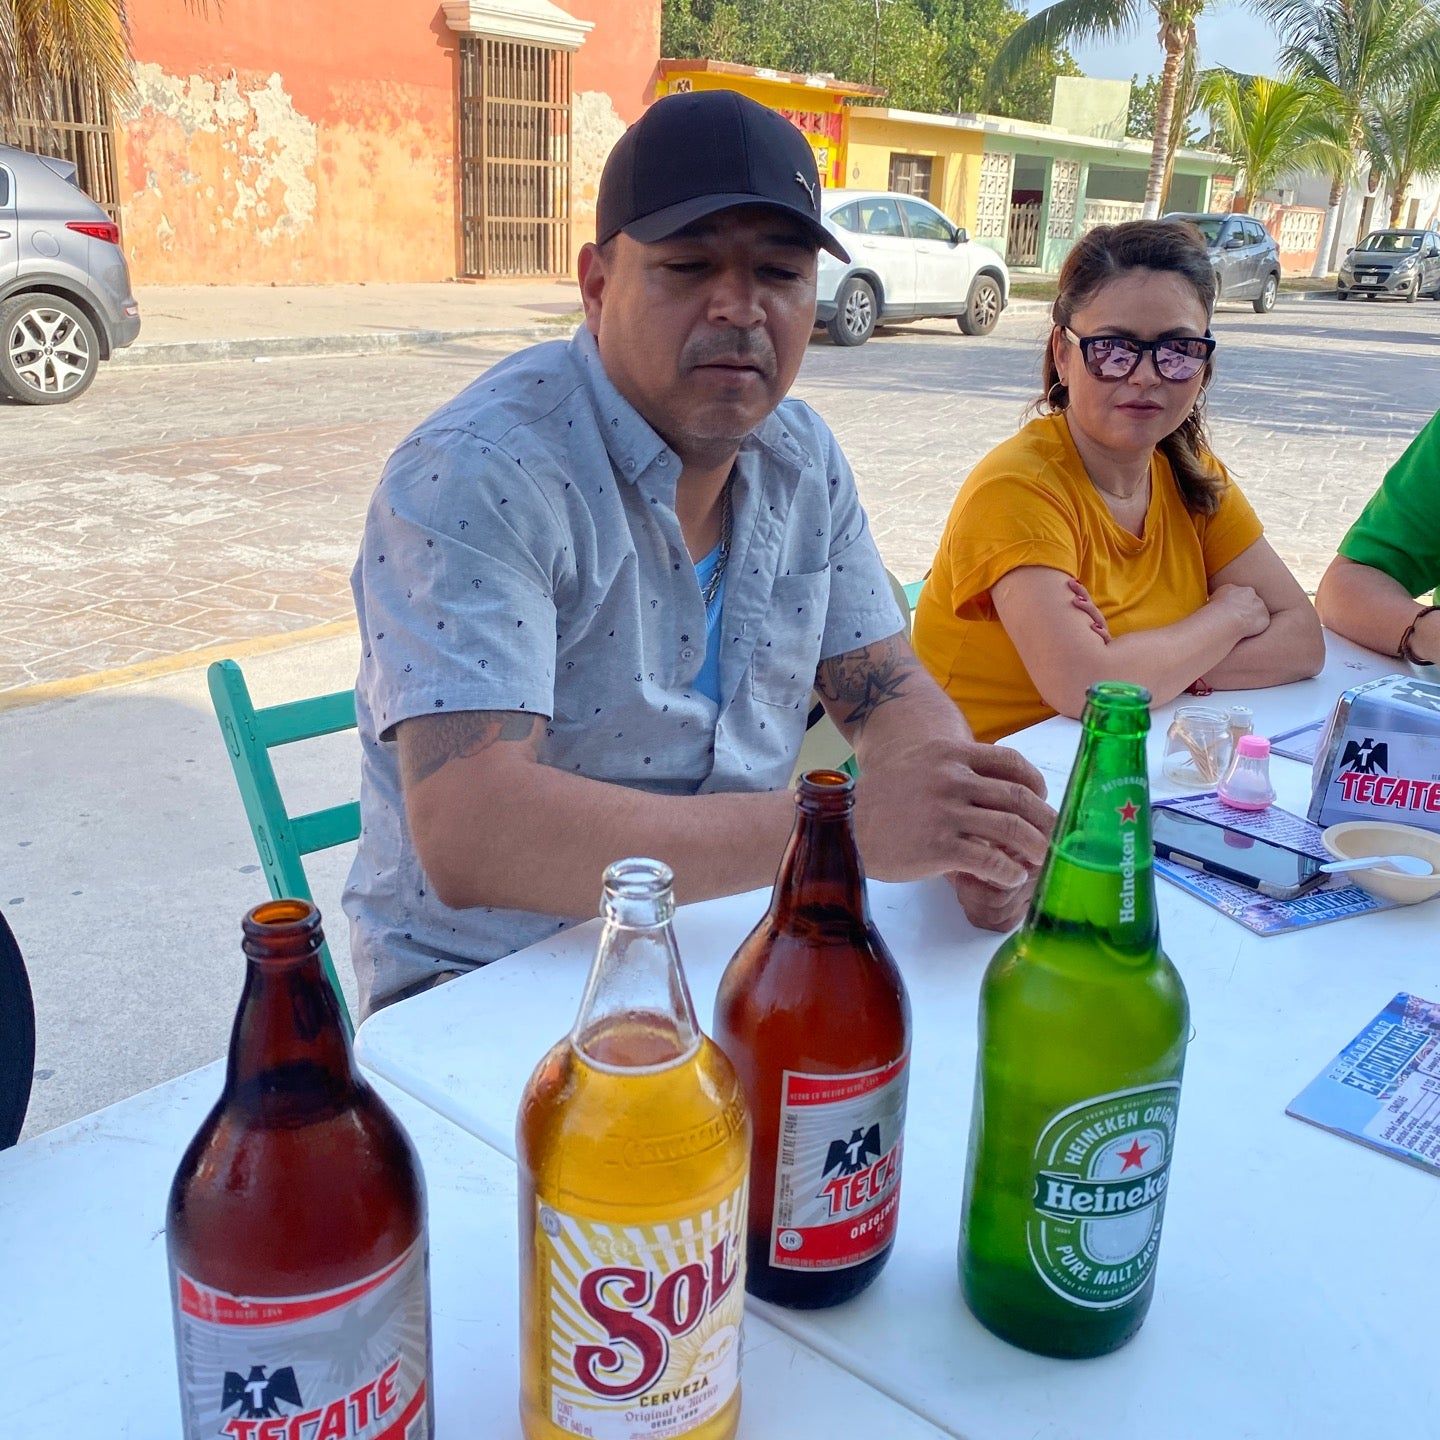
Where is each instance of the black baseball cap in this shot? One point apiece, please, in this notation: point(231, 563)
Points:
point(692, 155)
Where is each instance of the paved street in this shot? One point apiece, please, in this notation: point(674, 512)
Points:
point(176, 507)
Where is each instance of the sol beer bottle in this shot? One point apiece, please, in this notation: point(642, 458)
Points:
point(812, 1012)
point(1083, 1027)
point(296, 1225)
point(634, 1149)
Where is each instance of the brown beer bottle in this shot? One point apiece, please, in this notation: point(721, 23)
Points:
point(295, 1228)
point(813, 1014)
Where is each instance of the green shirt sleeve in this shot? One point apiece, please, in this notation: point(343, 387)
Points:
point(1398, 531)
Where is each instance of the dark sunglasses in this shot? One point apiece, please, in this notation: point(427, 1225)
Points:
point(1114, 357)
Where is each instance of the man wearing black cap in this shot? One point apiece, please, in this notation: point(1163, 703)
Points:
point(597, 587)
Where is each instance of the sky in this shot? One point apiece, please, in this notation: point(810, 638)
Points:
point(1228, 36)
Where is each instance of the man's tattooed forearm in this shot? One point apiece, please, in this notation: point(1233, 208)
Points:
point(863, 680)
point(429, 742)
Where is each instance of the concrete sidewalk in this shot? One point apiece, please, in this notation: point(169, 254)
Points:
point(181, 324)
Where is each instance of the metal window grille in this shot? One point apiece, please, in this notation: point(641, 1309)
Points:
point(514, 157)
point(911, 174)
point(78, 128)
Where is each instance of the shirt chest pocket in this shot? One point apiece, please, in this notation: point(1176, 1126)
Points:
point(788, 650)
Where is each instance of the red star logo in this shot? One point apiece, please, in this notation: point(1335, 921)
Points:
point(1133, 1156)
point(1127, 812)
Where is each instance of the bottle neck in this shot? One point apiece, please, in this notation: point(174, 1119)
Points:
point(821, 880)
point(288, 1045)
point(637, 1011)
point(1099, 875)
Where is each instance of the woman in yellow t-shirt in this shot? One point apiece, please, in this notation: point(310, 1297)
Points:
point(1105, 541)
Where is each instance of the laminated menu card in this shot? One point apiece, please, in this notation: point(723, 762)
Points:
point(1383, 1088)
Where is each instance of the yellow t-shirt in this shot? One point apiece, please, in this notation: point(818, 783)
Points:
point(1030, 502)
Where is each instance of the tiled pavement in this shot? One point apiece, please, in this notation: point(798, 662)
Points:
point(173, 508)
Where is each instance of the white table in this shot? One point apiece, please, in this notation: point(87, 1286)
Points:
point(85, 1304)
point(1294, 1291)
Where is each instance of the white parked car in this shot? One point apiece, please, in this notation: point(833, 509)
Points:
point(907, 262)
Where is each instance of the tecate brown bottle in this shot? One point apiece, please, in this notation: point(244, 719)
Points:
point(633, 1150)
point(296, 1225)
point(812, 1012)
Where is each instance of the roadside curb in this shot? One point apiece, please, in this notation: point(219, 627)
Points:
point(197, 352)
point(74, 686)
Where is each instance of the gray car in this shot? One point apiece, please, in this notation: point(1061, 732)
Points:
point(1244, 255)
point(1401, 263)
point(65, 297)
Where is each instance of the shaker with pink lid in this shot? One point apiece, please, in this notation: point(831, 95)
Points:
point(1246, 781)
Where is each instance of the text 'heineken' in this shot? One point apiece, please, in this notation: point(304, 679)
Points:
point(1083, 1026)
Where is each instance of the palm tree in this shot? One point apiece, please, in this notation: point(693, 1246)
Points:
point(1070, 22)
point(47, 45)
point(1270, 128)
point(1403, 140)
point(1353, 52)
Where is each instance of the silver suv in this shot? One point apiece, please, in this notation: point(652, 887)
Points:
point(1243, 254)
point(65, 297)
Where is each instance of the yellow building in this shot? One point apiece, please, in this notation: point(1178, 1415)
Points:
point(817, 104)
point(936, 157)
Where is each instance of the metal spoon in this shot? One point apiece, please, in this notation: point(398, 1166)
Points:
point(1405, 864)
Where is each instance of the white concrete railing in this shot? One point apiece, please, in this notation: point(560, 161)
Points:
point(1110, 212)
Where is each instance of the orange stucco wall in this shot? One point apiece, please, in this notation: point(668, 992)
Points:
point(613, 80)
point(290, 141)
point(305, 141)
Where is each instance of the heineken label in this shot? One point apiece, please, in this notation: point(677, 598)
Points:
point(1101, 1169)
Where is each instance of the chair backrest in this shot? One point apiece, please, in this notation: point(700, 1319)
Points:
point(824, 747)
point(17, 1038)
point(282, 839)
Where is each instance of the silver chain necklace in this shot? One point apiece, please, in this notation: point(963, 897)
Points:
point(712, 587)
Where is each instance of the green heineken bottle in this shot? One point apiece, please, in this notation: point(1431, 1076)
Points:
point(1083, 1026)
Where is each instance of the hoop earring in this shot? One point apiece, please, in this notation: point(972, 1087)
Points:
point(1057, 396)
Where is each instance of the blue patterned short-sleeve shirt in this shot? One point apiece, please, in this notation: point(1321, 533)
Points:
point(522, 553)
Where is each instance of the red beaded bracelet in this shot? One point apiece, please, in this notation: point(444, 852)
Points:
point(1405, 652)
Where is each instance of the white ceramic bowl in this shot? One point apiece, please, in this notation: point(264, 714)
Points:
point(1354, 839)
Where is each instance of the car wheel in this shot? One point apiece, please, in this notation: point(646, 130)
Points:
point(1264, 302)
point(1342, 294)
point(854, 320)
point(982, 309)
point(49, 351)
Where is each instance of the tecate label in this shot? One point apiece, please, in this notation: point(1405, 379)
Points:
point(347, 1364)
point(641, 1323)
point(1100, 1173)
point(837, 1172)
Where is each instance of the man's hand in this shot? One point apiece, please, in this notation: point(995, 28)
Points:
point(988, 908)
point(930, 799)
point(942, 806)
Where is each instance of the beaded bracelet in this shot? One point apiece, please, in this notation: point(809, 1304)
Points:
point(1405, 652)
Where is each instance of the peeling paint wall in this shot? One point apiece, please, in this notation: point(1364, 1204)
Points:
point(614, 80)
point(301, 141)
point(595, 126)
point(290, 143)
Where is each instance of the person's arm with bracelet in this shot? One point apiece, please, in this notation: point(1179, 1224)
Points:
point(1366, 605)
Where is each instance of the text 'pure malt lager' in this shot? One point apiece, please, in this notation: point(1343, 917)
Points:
point(634, 1150)
point(1083, 1027)
point(296, 1225)
point(813, 1013)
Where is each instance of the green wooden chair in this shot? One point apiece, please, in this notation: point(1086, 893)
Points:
point(281, 839)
